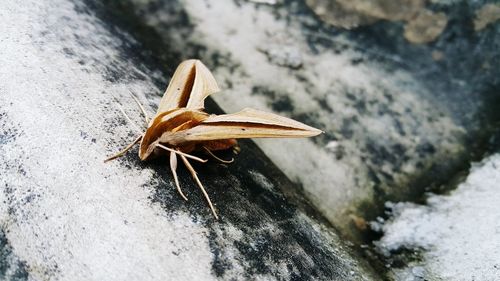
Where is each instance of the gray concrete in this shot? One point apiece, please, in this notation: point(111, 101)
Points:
point(65, 215)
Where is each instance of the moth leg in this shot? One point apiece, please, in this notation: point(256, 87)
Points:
point(217, 158)
point(181, 153)
point(127, 148)
point(193, 173)
point(173, 168)
point(146, 117)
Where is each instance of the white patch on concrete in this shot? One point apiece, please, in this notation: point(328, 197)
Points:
point(72, 216)
point(261, 180)
point(269, 2)
point(459, 232)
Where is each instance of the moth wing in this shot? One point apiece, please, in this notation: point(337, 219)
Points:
point(191, 83)
point(248, 123)
point(203, 86)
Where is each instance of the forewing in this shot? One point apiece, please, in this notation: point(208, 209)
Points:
point(191, 83)
point(203, 86)
point(248, 123)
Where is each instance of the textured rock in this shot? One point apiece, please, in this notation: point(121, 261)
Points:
point(349, 14)
point(457, 235)
point(385, 9)
point(339, 15)
point(397, 121)
point(486, 15)
point(425, 27)
point(65, 215)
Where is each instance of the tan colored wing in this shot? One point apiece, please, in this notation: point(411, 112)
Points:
point(248, 123)
point(204, 85)
point(191, 83)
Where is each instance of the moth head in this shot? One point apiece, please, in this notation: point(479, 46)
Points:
point(146, 149)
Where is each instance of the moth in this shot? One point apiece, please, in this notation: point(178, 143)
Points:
point(181, 126)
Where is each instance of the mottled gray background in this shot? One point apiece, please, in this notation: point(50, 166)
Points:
point(402, 185)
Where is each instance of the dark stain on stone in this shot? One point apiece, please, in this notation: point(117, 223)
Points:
point(389, 97)
point(380, 153)
point(425, 149)
point(324, 104)
point(357, 61)
point(282, 104)
point(360, 105)
point(268, 217)
point(68, 52)
point(309, 86)
point(264, 91)
point(8, 132)
point(346, 128)
point(11, 266)
point(83, 135)
point(351, 96)
point(220, 264)
point(398, 149)
point(388, 177)
point(401, 257)
point(383, 109)
point(14, 202)
point(399, 127)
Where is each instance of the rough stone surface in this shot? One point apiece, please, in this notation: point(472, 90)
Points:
point(338, 15)
point(393, 10)
point(65, 215)
point(350, 14)
point(486, 15)
point(425, 27)
point(397, 121)
point(457, 235)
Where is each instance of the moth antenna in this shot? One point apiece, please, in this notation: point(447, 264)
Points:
point(127, 148)
point(217, 158)
point(126, 116)
point(193, 173)
point(173, 168)
point(182, 153)
point(146, 117)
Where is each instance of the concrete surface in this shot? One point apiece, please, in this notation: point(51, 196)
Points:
point(65, 215)
point(456, 236)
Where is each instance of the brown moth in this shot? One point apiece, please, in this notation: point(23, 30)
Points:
point(180, 125)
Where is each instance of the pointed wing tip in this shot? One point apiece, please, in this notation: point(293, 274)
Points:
point(314, 132)
point(191, 61)
point(196, 62)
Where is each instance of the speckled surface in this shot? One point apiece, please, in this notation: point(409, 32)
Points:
point(456, 236)
point(400, 118)
point(65, 215)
